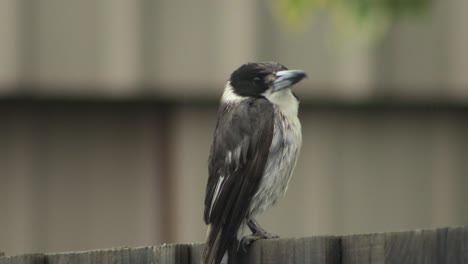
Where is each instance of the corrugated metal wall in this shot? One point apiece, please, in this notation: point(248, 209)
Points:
point(113, 150)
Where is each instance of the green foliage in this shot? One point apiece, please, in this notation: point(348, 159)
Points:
point(390, 8)
point(363, 15)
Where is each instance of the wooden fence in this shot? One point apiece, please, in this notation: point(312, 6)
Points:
point(439, 246)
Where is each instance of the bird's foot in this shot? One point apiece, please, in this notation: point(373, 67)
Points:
point(247, 240)
point(265, 235)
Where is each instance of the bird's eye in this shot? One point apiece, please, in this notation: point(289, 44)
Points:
point(257, 79)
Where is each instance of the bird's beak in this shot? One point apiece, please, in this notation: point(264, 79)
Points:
point(285, 79)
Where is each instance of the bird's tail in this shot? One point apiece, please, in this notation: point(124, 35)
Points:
point(216, 245)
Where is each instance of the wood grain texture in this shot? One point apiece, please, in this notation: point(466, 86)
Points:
point(439, 246)
point(316, 250)
point(445, 245)
point(23, 259)
point(172, 254)
point(164, 254)
point(196, 253)
point(117, 256)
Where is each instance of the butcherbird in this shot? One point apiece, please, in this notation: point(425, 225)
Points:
point(255, 147)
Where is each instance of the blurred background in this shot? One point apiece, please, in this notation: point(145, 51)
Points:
point(107, 110)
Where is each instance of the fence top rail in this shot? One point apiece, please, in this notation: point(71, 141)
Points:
point(436, 246)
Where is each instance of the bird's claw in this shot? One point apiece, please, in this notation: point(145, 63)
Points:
point(266, 235)
point(247, 240)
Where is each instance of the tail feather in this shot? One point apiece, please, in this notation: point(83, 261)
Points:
point(216, 246)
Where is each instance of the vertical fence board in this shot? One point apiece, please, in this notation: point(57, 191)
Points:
point(23, 259)
point(411, 247)
point(317, 250)
point(196, 253)
point(165, 254)
point(142, 255)
point(116, 256)
point(172, 254)
point(362, 249)
point(445, 245)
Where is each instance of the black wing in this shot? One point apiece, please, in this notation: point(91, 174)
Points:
point(238, 156)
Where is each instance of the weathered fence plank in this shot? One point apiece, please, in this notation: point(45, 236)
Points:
point(317, 250)
point(165, 254)
point(445, 245)
point(117, 256)
point(23, 259)
point(196, 252)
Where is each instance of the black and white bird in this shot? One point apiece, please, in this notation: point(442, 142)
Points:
point(254, 151)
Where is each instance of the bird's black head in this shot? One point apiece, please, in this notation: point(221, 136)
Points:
point(253, 79)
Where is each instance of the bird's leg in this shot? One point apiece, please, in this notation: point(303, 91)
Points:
point(257, 233)
point(257, 230)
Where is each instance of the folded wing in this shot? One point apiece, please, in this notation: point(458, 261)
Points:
point(237, 161)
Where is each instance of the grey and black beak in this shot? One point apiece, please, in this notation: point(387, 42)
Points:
point(287, 78)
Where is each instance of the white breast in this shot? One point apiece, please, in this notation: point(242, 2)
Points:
point(284, 150)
